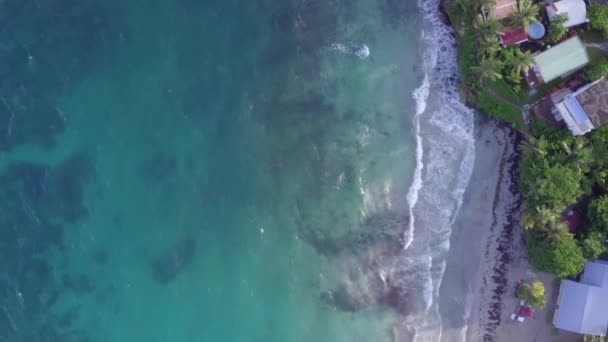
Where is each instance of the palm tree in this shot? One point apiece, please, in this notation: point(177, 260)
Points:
point(534, 146)
point(544, 221)
point(489, 27)
point(527, 220)
point(525, 14)
point(486, 4)
point(489, 69)
point(488, 46)
point(521, 62)
point(579, 154)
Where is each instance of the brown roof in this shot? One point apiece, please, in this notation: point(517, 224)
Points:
point(544, 111)
point(504, 8)
point(512, 36)
point(594, 101)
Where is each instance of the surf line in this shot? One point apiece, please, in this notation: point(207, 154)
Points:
point(420, 95)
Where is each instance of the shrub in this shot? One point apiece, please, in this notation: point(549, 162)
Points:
point(559, 255)
point(492, 107)
point(593, 245)
point(466, 58)
point(598, 18)
point(598, 214)
point(557, 186)
point(557, 29)
point(533, 294)
point(597, 71)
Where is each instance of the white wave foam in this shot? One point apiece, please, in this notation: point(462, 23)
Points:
point(421, 95)
point(360, 50)
point(444, 162)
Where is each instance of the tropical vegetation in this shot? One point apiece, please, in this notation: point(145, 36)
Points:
point(557, 28)
point(597, 70)
point(558, 174)
point(525, 14)
point(598, 18)
point(492, 75)
point(533, 294)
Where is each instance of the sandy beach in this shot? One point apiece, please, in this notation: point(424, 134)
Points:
point(487, 254)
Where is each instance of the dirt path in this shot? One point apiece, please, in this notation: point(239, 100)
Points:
point(602, 46)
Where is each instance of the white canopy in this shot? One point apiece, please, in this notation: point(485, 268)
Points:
point(574, 9)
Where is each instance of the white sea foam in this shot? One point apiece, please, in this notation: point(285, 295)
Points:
point(421, 96)
point(444, 162)
point(356, 49)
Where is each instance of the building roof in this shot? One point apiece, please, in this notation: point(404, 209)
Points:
point(596, 274)
point(561, 59)
point(574, 9)
point(512, 36)
point(594, 101)
point(504, 8)
point(582, 306)
point(574, 116)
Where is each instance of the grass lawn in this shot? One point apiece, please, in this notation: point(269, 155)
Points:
point(504, 90)
point(590, 36)
point(492, 107)
point(595, 55)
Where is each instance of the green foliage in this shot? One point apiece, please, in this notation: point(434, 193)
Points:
point(557, 28)
point(598, 18)
point(489, 27)
point(593, 245)
point(539, 129)
point(507, 54)
point(556, 186)
point(492, 107)
point(598, 214)
point(489, 69)
point(521, 62)
point(533, 294)
point(597, 71)
point(525, 14)
point(467, 58)
point(488, 46)
point(555, 170)
point(559, 255)
point(546, 222)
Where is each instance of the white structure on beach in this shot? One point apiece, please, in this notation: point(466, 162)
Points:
point(583, 307)
point(575, 10)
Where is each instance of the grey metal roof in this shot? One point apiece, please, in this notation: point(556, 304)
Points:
point(596, 274)
point(577, 111)
point(595, 321)
point(583, 307)
point(571, 307)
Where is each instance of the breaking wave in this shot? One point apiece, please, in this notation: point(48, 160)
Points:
point(445, 155)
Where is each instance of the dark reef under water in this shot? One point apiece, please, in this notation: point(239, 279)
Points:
point(46, 47)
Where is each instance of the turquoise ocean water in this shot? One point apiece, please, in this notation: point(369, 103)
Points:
point(205, 170)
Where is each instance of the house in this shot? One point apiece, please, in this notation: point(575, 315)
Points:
point(586, 108)
point(558, 61)
point(582, 307)
point(503, 9)
point(576, 11)
point(513, 36)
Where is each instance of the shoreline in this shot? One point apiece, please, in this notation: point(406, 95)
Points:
point(487, 267)
point(488, 255)
point(472, 279)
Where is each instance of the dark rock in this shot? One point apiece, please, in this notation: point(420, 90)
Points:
point(167, 266)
